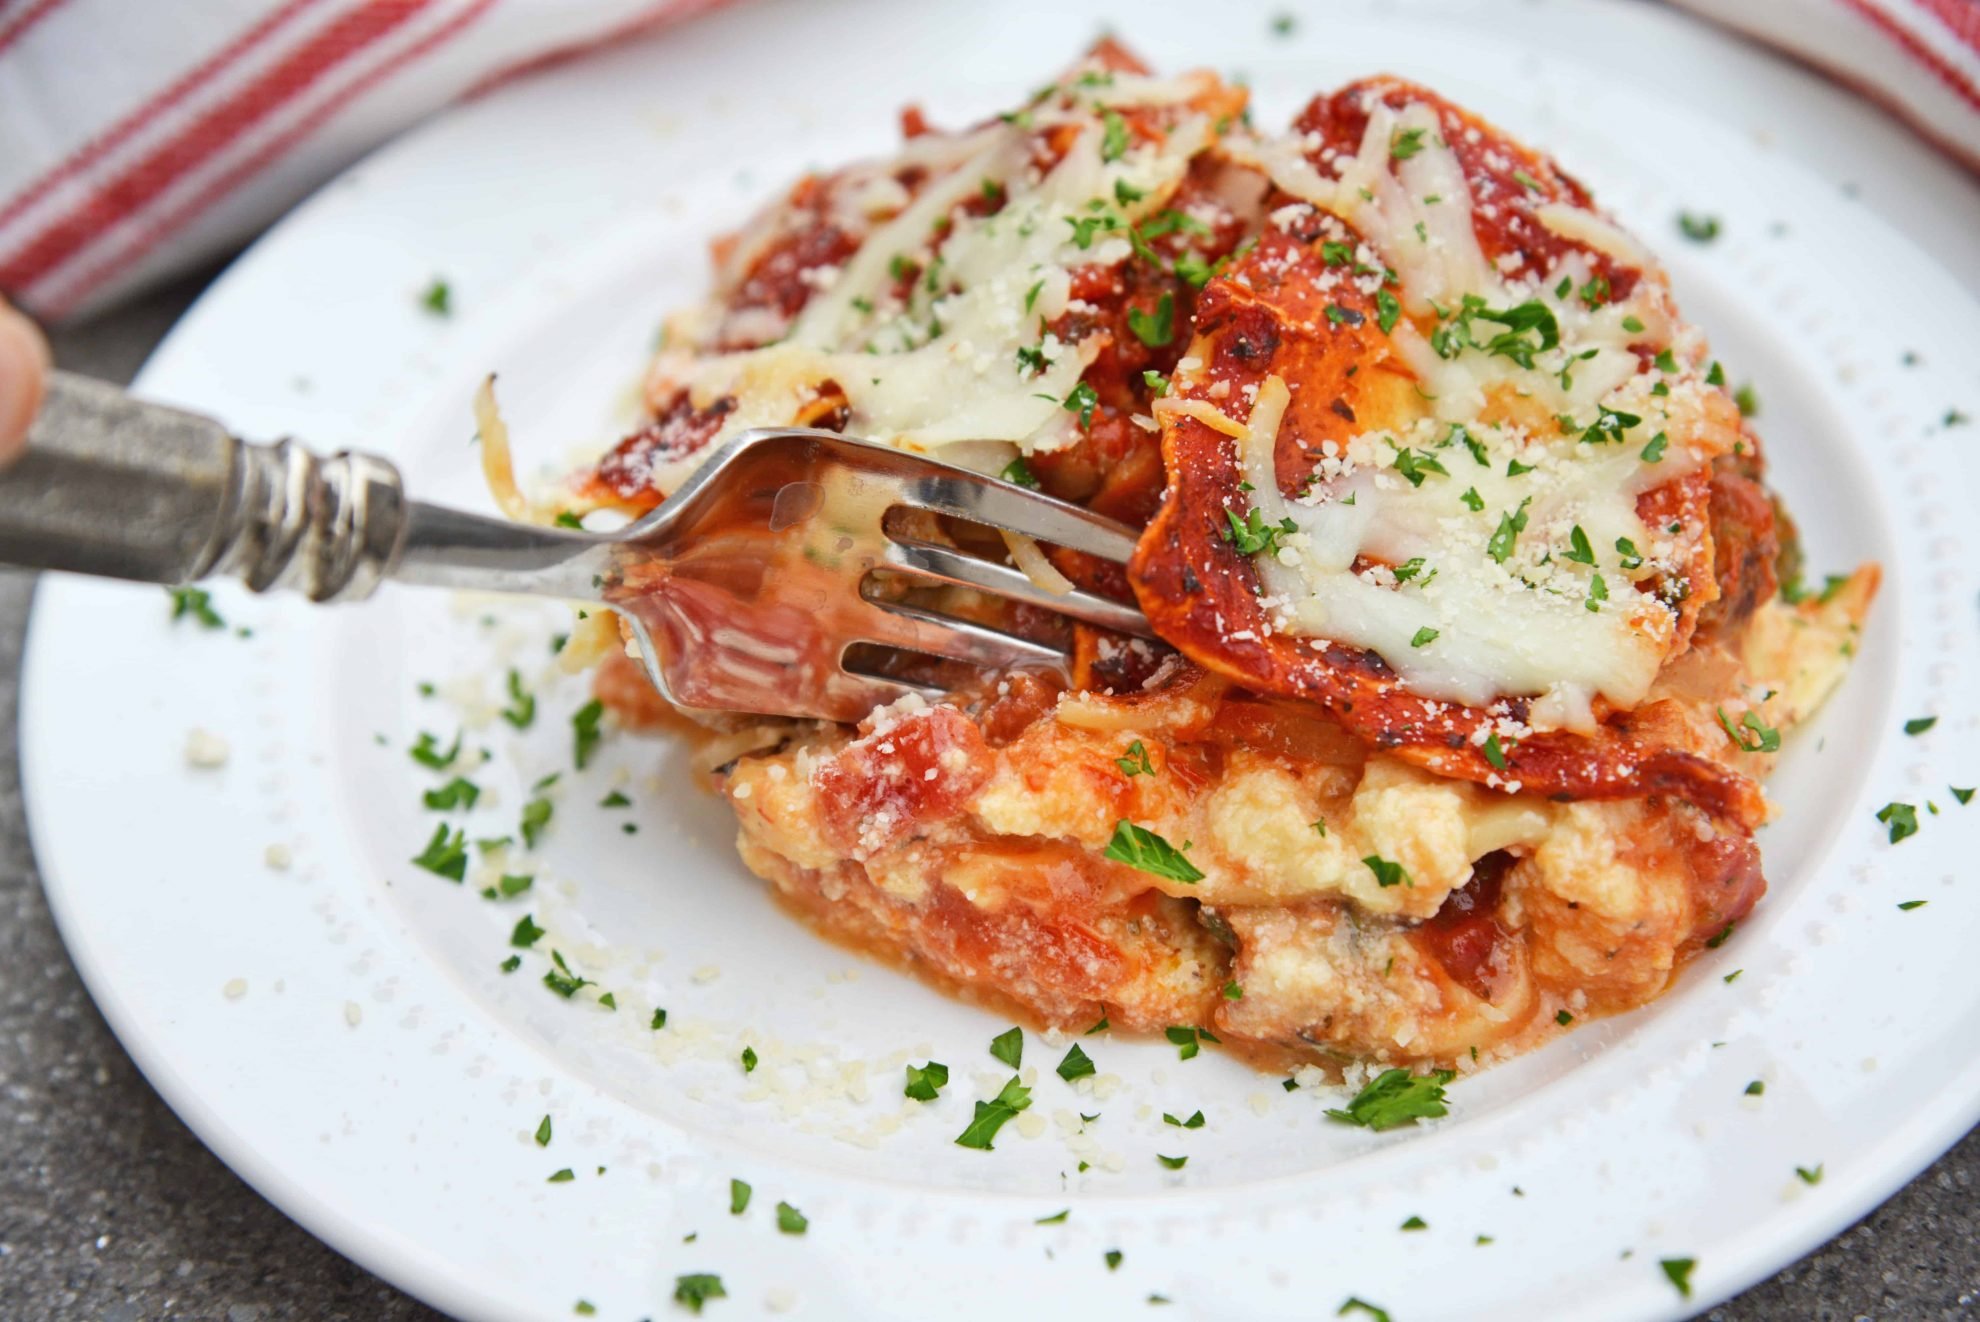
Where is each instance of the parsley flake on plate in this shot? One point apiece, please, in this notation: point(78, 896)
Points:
point(925, 1081)
point(445, 854)
point(564, 1176)
point(1009, 1047)
point(197, 604)
point(1415, 1223)
point(543, 1133)
point(526, 933)
point(1920, 724)
point(535, 816)
point(426, 751)
point(991, 1115)
point(1145, 851)
point(585, 733)
point(460, 792)
point(1810, 1174)
point(1076, 1065)
point(438, 298)
point(1396, 1097)
point(1057, 1218)
point(1194, 1122)
point(749, 1060)
point(1135, 761)
point(1173, 1163)
point(697, 1288)
point(739, 1192)
point(521, 711)
point(790, 1221)
point(1679, 1272)
point(1354, 1305)
point(1901, 818)
point(561, 980)
point(659, 1020)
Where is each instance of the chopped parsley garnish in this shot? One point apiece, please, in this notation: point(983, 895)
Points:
point(1031, 358)
point(1251, 535)
point(1158, 329)
point(1076, 1065)
point(1902, 818)
point(697, 1288)
point(1113, 1259)
point(1396, 1097)
point(1416, 467)
point(1526, 181)
point(1764, 737)
point(1598, 591)
point(1233, 991)
point(1748, 401)
point(438, 298)
point(1387, 311)
point(1354, 1305)
point(1472, 500)
point(925, 1081)
point(1387, 872)
point(615, 800)
point(1057, 1218)
point(584, 731)
point(1145, 851)
point(1655, 449)
point(1405, 144)
point(1082, 400)
point(1514, 468)
point(1964, 796)
point(1756, 1089)
point(1920, 724)
point(1009, 1047)
point(790, 1221)
point(535, 816)
point(564, 1176)
point(511, 964)
point(513, 884)
point(1631, 557)
point(659, 1020)
point(1494, 753)
point(749, 1060)
point(1185, 1040)
point(1563, 1018)
point(1679, 1269)
point(1596, 292)
point(1194, 1122)
point(991, 1115)
point(1173, 1163)
point(1423, 637)
point(1666, 362)
point(1018, 473)
point(1699, 229)
point(1511, 525)
point(1085, 227)
point(543, 1133)
point(1100, 1027)
point(1336, 254)
point(1115, 143)
point(445, 854)
point(1410, 568)
point(1810, 1174)
point(460, 792)
point(609, 1000)
point(1579, 549)
point(560, 979)
point(426, 752)
point(1609, 425)
point(1157, 384)
point(1415, 1223)
point(198, 603)
point(1135, 761)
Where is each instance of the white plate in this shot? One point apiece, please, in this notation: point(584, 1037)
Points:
point(376, 1075)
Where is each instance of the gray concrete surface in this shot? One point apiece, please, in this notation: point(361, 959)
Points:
point(111, 1209)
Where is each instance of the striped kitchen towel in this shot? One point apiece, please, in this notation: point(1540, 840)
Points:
point(1919, 58)
point(137, 138)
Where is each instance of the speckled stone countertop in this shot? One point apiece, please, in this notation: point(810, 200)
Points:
point(110, 1209)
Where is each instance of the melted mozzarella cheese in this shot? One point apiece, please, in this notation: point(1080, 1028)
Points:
point(942, 366)
point(1514, 570)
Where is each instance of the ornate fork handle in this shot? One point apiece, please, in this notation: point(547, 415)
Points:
point(120, 488)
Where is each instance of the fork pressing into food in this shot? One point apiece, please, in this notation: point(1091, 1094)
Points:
point(755, 587)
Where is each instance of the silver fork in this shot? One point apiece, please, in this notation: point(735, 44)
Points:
point(745, 589)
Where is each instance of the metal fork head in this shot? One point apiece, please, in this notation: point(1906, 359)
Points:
point(747, 587)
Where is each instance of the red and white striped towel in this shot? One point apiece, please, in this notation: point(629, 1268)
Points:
point(137, 138)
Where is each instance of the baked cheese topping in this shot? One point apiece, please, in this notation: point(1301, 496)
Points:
point(1499, 545)
point(960, 353)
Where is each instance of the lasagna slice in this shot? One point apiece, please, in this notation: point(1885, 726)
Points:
point(1475, 645)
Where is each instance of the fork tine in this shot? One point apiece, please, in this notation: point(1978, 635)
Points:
point(896, 624)
point(1000, 504)
point(943, 565)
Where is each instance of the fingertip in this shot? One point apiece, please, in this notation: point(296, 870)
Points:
point(24, 363)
